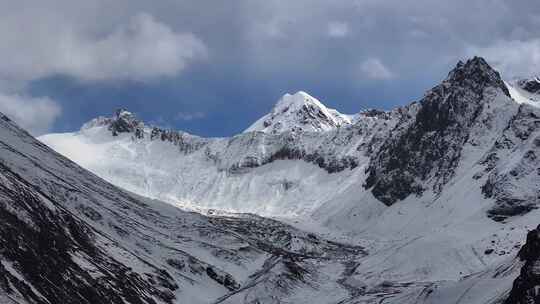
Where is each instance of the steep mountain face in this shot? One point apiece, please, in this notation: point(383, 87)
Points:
point(429, 146)
point(439, 192)
point(526, 288)
point(515, 182)
point(300, 112)
point(67, 236)
point(40, 240)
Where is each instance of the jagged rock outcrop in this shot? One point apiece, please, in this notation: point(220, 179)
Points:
point(526, 288)
point(125, 122)
point(122, 121)
point(530, 85)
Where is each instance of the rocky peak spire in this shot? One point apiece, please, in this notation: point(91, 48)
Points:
point(475, 74)
point(124, 122)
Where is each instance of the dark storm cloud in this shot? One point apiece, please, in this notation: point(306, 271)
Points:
point(232, 59)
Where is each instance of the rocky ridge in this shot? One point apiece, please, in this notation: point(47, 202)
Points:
point(407, 151)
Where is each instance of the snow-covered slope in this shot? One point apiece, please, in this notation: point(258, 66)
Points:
point(67, 236)
point(440, 192)
point(300, 112)
point(253, 172)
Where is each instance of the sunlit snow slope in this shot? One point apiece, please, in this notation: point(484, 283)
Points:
point(69, 237)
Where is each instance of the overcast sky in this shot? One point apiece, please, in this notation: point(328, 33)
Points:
point(213, 67)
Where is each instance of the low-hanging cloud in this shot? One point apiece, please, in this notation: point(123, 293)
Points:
point(338, 29)
point(374, 69)
point(36, 115)
point(143, 49)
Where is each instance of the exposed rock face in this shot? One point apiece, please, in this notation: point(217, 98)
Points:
point(428, 146)
point(526, 288)
point(39, 243)
point(124, 122)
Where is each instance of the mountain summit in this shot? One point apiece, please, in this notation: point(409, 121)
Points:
point(299, 112)
point(428, 148)
point(475, 74)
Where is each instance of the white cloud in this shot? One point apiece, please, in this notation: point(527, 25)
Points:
point(36, 115)
point(338, 29)
point(38, 43)
point(373, 68)
point(189, 116)
point(512, 58)
point(141, 49)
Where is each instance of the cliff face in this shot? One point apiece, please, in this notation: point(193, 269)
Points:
point(526, 288)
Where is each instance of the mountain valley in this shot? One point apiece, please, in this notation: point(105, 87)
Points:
point(436, 201)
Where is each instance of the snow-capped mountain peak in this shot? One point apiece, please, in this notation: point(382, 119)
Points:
point(299, 112)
